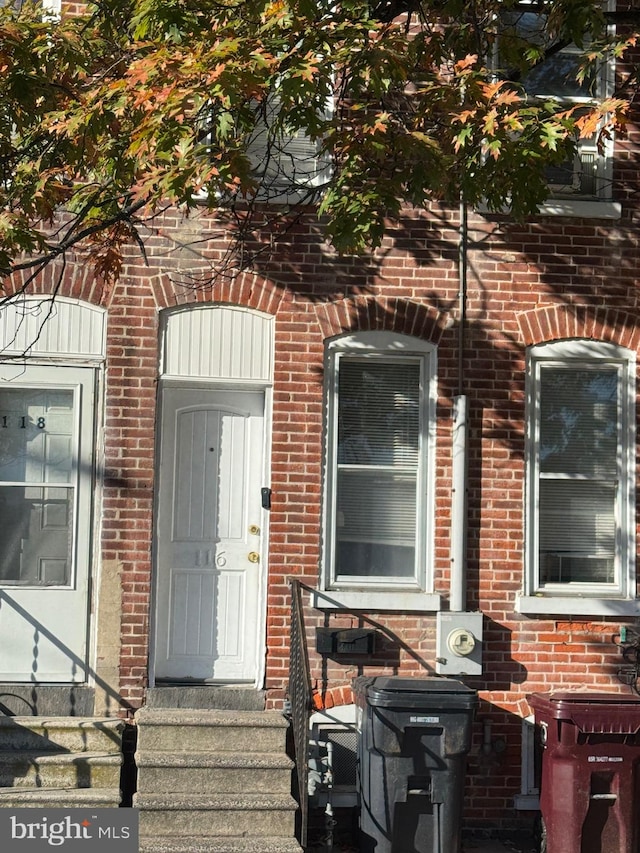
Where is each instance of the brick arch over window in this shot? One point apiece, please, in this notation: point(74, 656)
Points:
point(369, 313)
point(75, 281)
point(555, 322)
point(245, 290)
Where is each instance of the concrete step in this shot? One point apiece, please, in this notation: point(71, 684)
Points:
point(215, 816)
point(198, 844)
point(206, 697)
point(176, 730)
point(59, 798)
point(70, 734)
point(48, 769)
point(222, 772)
point(45, 700)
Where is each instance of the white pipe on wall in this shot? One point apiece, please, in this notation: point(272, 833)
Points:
point(458, 591)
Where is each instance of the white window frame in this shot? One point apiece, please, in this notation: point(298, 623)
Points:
point(583, 598)
point(381, 593)
point(81, 382)
point(567, 203)
point(529, 797)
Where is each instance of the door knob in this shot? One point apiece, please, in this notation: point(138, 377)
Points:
point(253, 557)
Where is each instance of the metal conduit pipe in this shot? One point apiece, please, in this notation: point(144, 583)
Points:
point(458, 585)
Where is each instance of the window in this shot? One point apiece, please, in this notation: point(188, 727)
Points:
point(587, 176)
point(289, 165)
point(45, 480)
point(380, 413)
point(580, 471)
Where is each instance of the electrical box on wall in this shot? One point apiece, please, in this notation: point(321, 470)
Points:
point(345, 641)
point(459, 643)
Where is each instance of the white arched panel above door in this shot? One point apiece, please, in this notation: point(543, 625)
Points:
point(53, 327)
point(218, 342)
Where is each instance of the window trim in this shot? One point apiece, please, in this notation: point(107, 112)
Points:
point(81, 382)
point(619, 598)
point(383, 593)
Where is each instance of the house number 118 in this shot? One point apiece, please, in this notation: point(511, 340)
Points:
point(22, 422)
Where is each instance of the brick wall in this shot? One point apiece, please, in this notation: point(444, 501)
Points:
point(541, 281)
point(547, 279)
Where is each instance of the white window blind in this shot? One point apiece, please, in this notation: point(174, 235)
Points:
point(579, 471)
point(378, 451)
point(289, 164)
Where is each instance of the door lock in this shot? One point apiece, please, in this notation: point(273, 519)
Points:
point(254, 530)
point(253, 557)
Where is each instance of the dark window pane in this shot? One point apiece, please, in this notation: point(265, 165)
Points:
point(376, 524)
point(378, 413)
point(577, 531)
point(36, 535)
point(579, 431)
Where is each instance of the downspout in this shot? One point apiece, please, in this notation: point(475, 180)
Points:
point(458, 580)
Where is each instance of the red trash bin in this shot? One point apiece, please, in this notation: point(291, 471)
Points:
point(590, 786)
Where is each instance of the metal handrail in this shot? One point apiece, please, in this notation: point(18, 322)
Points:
point(300, 700)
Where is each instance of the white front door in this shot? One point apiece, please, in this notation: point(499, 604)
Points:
point(208, 534)
point(46, 480)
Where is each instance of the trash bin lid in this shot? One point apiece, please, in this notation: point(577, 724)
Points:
point(592, 713)
point(416, 693)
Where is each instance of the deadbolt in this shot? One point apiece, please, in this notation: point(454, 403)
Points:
point(253, 557)
point(254, 529)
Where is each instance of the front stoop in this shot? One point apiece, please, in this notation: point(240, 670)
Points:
point(214, 781)
point(60, 762)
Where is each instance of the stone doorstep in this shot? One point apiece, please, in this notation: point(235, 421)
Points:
point(224, 772)
point(56, 734)
point(59, 798)
point(187, 730)
point(239, 755)
point(218, 824)
point(205, 697)
point(169, 802)
point(198, 844)
point(37, 769)
point(217, 815)
point(45, 700)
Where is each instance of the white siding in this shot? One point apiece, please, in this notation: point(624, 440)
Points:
point(54, 328)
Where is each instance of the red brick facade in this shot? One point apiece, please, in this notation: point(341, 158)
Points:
point(551, 279)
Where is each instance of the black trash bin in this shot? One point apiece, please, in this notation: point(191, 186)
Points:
point(414, 735)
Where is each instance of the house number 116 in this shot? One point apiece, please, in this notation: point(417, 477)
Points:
point(22, 422)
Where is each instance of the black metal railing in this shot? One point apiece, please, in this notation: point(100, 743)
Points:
point(300, 700)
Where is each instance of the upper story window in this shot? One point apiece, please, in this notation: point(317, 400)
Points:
point(580, 486)
point(378, 498)
point(586, 176)
point(288, 164)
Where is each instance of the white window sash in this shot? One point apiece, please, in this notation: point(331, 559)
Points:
point(584, 356)
point(378, 352)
